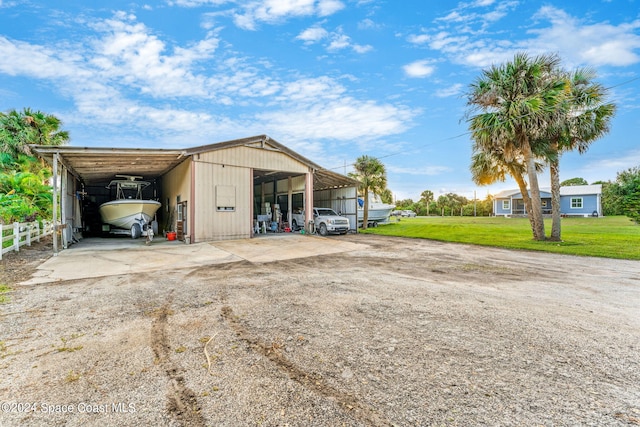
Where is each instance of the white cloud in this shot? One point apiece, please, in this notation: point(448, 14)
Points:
point(419, 69)
point(464, 37)
point(367, 24)
point(129, 51)
point(483, 3)
point(345, 119)
point(419, 39)
point(329, 7)
point(123, 75)
point(5, 3)
point(339, 41)
point(594, 44)
point(196, 3)
point(362, 48)
point(276, 11)
point(452, 90)
point(614, 164)
point(311, 90)
point(312, 34)
point(35, 61)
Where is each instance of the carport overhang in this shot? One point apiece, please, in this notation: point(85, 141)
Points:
point(97, 166)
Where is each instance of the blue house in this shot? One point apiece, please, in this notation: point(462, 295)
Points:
point(577, 200)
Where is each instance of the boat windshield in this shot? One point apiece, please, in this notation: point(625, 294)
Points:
point(129, 188)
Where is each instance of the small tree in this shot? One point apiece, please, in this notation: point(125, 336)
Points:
point(629, 182)
point(573, 181)
point(612, 198)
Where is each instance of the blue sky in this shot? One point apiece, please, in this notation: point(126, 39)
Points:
point(331, 79)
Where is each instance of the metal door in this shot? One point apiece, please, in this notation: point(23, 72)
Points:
point(181, 223)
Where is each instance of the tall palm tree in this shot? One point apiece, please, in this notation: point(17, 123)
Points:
point(517, 101)
point(372, 175)
point(583, 117)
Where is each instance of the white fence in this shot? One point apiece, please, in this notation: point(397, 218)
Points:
point(20, 234)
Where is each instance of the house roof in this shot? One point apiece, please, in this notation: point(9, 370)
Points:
point(581, 190)
point(95, 165)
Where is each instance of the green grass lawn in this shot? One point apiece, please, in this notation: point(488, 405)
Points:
point(609, 237)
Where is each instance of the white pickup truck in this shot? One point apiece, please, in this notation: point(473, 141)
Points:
point(326, 221)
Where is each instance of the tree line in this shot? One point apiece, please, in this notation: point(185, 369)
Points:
point(25, 190)
point(619, 197)
point(449, 204)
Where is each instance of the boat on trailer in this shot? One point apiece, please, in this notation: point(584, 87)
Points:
point(378, 212)
point(129, 212)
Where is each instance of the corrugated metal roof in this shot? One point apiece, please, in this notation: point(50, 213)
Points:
point(96, 166)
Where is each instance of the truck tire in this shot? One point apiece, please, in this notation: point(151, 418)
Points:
point(294, 225)
point(322, 230)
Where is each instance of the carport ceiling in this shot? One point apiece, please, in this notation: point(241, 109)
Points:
point(97, 166)
point(323, 179)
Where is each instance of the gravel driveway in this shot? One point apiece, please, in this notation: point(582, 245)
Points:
point(394, 332)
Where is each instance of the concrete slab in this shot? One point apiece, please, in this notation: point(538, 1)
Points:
point(109, 257)
point(285, 246)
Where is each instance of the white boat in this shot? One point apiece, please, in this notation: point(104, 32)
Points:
point(129, 211)
point(378, 211)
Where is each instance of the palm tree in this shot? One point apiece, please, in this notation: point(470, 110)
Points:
point(427, 197)
point(45, 128)
point(517, 101)
point(19, 129)
point(489, 167)
point(583, 118)
point(371, 174)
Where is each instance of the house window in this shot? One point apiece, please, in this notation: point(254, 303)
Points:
point(576, 203)
point(225, 198)
point(505, 205)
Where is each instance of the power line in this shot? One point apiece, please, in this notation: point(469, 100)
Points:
point(462, 134)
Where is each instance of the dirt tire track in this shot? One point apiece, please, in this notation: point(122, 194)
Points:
point(309, 380)
point(182, 402)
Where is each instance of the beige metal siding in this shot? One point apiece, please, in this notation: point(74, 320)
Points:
point(232, 167)
point(256, 158)
point(211, 224)
point(297, 184)
point(177, 182)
